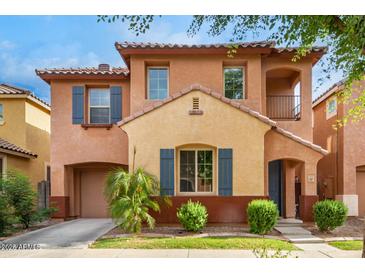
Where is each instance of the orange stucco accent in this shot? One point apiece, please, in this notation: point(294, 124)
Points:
point(72, 144)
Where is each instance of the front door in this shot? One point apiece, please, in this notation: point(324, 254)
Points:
point(276, 184)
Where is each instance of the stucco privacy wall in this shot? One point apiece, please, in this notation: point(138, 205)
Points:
point(72, 144)
point(187, 69)
point(220, 126)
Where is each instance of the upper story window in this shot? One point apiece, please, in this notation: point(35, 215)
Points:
point(99, 105)
point(158, 82)
point(331, 107)
point(1, 114)
point(234, 87)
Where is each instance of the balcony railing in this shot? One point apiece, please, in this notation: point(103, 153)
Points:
point(283, 107)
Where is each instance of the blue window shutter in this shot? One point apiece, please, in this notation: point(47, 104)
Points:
point(167, 172)
point(78, 104)
point(115, 104)
point(225, 172)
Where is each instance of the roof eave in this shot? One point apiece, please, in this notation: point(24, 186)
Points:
point(19, 154)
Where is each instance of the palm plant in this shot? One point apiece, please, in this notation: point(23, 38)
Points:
point(129, 198)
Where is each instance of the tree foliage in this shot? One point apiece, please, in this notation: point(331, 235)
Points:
point(344, 36)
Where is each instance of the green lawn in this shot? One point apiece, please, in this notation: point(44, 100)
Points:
point(347, 245)
point(193, 243)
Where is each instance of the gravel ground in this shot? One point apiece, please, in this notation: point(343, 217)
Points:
point(354, 227)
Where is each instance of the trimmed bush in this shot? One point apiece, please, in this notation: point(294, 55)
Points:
point(262, 216)
point(193, 216)
point(329, 214)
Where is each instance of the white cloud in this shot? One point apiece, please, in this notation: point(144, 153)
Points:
point(19, 67)
point(6, 45)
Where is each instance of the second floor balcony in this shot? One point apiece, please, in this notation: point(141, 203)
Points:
point(283, 107)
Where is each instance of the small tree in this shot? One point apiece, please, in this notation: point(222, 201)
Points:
point(129, 198)
point(20, 195)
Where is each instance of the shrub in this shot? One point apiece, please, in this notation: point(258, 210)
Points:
point(192, 216)
point(262, 216)
point(129, 198)
point(43, 214)
point(7, 218)
point(21, 196)
point(329, 214)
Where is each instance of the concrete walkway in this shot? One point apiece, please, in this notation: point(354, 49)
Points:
point(77, 233)
point(295, 233)
point(166, 253)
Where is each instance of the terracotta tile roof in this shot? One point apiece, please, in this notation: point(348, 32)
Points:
point(7, 89)
point(14, 148)
point(230, 102)
point(83, 71)
point(293, 49)
point(335, 87)
point(149, 45)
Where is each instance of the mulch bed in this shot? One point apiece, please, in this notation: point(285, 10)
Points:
point(173, 230)
point(354, 227)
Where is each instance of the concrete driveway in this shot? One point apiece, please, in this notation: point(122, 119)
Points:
point(76, 233)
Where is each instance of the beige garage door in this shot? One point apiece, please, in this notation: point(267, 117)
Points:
point(93, 204)
point(360, 186)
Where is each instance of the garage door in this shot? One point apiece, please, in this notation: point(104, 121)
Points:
point(93, 204)
point(360, 186)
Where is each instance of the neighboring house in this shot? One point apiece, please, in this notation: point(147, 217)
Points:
point(24, 133)
point(212, 128)
point(341, 174)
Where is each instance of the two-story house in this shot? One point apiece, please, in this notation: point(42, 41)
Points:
point(24, 133)
point(212, 128)
point(341, 173)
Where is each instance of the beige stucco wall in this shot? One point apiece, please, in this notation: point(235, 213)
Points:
point(221, 126)
point(13, 128)
point(71, 144)
point(27, 125)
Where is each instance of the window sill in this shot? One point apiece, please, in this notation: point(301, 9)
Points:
point(106, 126)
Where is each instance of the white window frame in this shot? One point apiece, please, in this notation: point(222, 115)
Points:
point(148, 81)
point(243, 80)
point(333, 113)
point(89, 105)
point(2, 121)
point(197, 193)
point(4, 164)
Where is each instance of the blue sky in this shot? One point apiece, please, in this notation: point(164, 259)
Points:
point(30, 42)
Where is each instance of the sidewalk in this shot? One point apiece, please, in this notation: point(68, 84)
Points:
point(310, 251)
